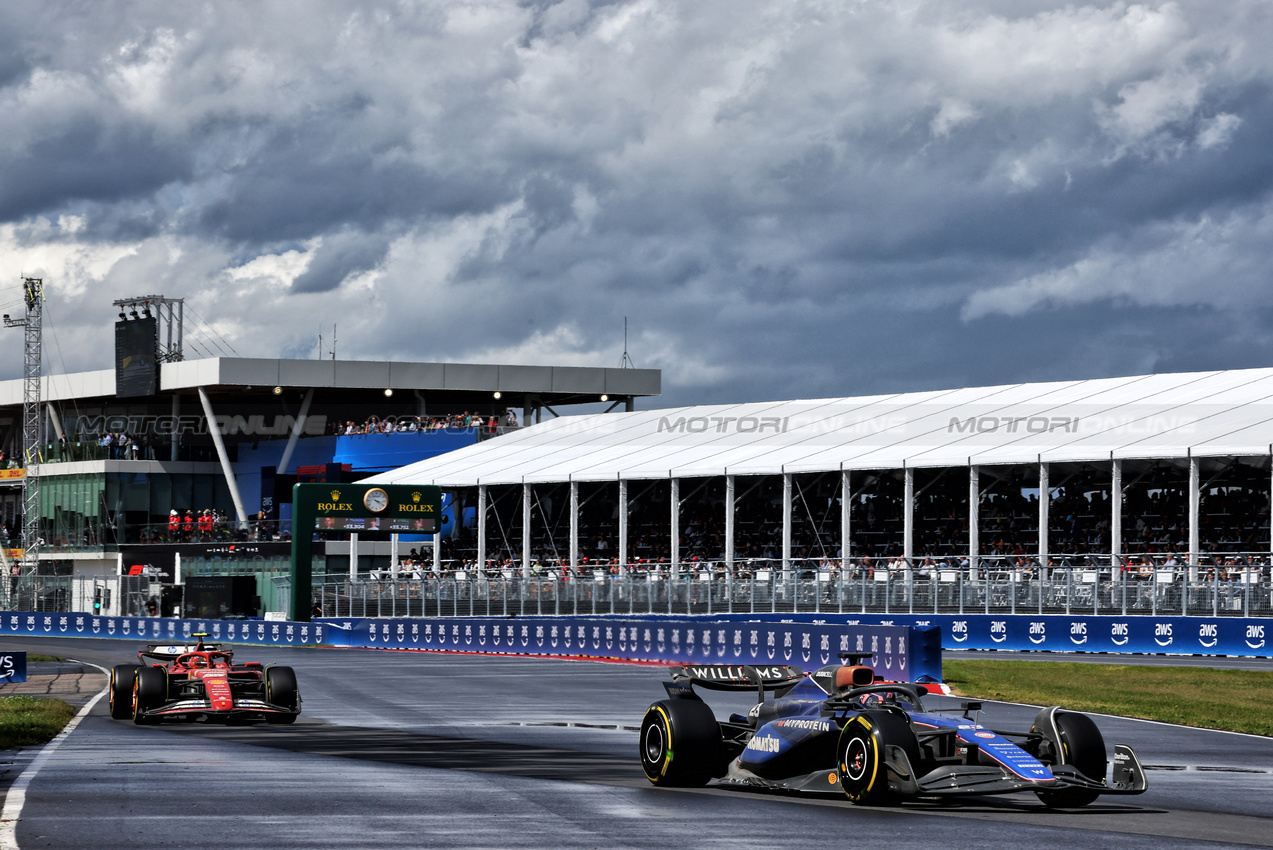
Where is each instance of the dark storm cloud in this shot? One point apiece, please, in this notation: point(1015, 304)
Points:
point(86, 160)
point(785, 200)
point(341, 255)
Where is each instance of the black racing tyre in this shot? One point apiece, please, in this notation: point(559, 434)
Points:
point(1081, 746)
point(680, 743)
point(860, 756)
point(150, 689)
point(281, 689)
point(121, 690)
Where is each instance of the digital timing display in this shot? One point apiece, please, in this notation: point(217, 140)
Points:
point(394, 525)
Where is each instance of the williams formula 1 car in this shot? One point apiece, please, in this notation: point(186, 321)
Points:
point(842, 730)
point(201, 681)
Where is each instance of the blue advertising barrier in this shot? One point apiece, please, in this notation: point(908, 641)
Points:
point(901, 653)
point(1112, 634)
point(159, 630)
point(13, 666)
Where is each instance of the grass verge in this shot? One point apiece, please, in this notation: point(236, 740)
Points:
point(1233, 700)
point(28, 721)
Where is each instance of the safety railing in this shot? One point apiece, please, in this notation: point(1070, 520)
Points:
point(93, 535)
point(126, 596)
point(990, 585)
point(1228, 586)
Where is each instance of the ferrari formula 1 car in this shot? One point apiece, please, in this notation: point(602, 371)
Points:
point(842, 730)
point(190, 682)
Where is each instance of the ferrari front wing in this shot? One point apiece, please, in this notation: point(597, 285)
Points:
point(242, 706)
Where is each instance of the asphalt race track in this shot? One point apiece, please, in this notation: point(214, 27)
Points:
point(400, 749)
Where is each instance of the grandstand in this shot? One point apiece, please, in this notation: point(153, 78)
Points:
point(1165, 478)
point(227, 437)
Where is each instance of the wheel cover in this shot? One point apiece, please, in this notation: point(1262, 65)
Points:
point(655, 744)
point(654, 761)
point(857, 759)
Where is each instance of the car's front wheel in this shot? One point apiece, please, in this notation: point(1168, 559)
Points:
point(150, 689)
point(861, 756)
point(282, 689)
point(121, 690)
point(680, 743)
point(1072, 739)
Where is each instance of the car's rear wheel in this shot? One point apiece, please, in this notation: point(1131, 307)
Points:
point(680, 743)
point(281, 689)
point(1075, 741)
point(861, 756)
point(121, 690)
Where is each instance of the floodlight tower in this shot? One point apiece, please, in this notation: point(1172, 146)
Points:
point(171, 315)
point(33, 295)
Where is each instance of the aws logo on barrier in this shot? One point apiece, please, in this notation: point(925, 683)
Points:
point(998, 630)
point(1078, 633)
point(1254, 633)
point(1161, 631)
point(1119, 634)
point(1208, 634)
point(1038, 631)
point(959, 631)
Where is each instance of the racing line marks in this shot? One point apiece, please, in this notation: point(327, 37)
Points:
point(614, 727)
point(1203, 768)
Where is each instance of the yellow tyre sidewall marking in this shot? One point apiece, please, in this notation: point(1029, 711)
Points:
point(667, 743)
point(875, 760)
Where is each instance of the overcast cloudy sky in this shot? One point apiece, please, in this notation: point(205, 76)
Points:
point(795, 199)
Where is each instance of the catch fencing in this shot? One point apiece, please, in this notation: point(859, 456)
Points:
point(989, 588)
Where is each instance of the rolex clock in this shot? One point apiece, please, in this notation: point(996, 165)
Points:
point(375, 500)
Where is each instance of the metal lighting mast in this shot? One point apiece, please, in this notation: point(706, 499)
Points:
point(171, 315)
point(33, 294)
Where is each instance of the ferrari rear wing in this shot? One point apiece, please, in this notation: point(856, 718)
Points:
point(173, 651)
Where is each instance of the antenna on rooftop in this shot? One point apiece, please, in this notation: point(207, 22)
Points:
point(333, 340)
point(625, 362)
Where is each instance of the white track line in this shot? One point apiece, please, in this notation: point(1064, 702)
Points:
point(17, 795)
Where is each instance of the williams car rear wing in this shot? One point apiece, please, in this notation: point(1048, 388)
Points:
point(725, 677)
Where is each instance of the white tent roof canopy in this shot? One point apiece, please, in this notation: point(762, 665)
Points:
point(1216, 414)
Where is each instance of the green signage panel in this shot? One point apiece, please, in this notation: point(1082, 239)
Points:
point(392, 508)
